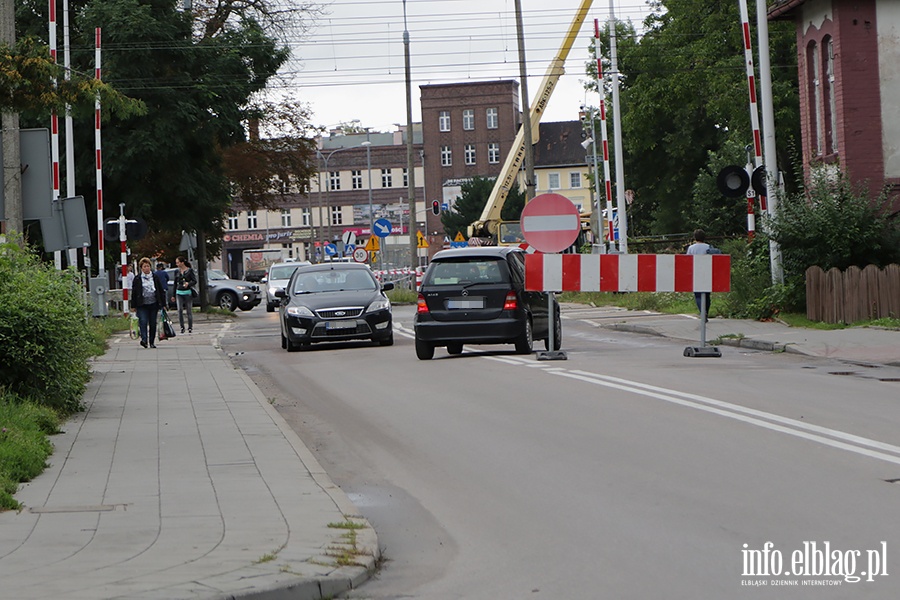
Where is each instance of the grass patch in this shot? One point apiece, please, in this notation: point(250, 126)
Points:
point(24, 444)
point(347, 552)
point(664, 302)
point(267, 557)
point(402, 296)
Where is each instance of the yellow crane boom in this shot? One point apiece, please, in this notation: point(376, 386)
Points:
point(507, 178)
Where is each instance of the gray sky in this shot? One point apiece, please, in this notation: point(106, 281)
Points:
point(351, 66)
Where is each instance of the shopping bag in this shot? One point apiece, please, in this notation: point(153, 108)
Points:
point(165, 330)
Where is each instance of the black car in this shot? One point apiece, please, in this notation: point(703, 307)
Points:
point(334, 302)
point(477, 296)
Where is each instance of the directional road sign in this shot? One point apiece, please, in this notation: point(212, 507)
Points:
point(550, 223)
point(331, 250)
point(382, 228)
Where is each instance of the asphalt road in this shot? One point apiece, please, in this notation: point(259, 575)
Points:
point(627, 471)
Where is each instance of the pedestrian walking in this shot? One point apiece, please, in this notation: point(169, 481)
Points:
point(185, 280)
point(702, 299)
point(147, 298)
point(164, 277)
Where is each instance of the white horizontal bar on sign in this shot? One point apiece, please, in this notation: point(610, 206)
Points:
point(537, 223)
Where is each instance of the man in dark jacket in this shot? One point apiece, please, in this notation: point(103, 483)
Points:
point(148, 296)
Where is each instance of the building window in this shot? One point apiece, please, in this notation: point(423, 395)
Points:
point(285, 217)
point(492, 119)
point(493, 153)
point(815, 97)
point(251, 219)
point(304, 217)
point(446, 156)
point(444, 120)
point(553, 181)
point(356, 178)
point(468, 119)
point(575, 180)
point(334, 180)
point(337, 216)
point(470, 154)
point(386, 178)
point(232, 220)
point(405, 177)
point(831, 131)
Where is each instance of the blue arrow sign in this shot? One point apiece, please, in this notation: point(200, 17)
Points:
point(330, 249)
point(382, 228)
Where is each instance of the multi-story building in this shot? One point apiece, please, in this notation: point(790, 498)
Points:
point(847, 57)
point(362, 177)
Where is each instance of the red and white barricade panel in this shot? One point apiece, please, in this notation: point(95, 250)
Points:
point(627, 272)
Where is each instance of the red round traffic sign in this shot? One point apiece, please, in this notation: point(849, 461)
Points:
point(550, 223)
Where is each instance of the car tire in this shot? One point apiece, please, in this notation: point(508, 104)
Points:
point(283, 342)
point(557, 335)
point(424, 350)
point(525, 342)
point(270, 307)
point(455, 348)
point(227, 301)
point(291, 346)
point(388, 341)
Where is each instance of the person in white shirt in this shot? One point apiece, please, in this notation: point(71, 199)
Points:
point(701, 247)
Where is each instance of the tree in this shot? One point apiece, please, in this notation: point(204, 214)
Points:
point(685, 109)
point(471, 201)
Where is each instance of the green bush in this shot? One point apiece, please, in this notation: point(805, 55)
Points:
point(45, 338)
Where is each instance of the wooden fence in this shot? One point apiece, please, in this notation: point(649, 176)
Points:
point(852, 295)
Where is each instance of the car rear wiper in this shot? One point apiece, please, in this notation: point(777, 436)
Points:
point(468, 285)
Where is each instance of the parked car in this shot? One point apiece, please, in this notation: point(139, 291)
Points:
point(334, 301)
point(224, 292)
point(278, 276)
point(477, 296)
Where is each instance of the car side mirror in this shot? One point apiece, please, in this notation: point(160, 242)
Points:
point(387, 286)
point(280, 293)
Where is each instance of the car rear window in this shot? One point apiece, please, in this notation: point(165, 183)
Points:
point(485, 270)
point(283, 272)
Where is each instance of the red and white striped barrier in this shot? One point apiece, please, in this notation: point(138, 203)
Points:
point(392, 274)
point(627, 273)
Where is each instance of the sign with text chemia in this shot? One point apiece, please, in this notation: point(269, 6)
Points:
point(811, 564)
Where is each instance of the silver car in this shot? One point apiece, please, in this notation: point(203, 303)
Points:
point(223, 292)
point(276, 279)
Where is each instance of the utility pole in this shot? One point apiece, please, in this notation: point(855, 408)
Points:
point(410, 162)
point(12, 163)
point(526, 111)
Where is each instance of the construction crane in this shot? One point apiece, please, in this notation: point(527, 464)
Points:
point(490, 216)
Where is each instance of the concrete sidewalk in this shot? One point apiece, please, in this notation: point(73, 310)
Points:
point(856, 344)
point(180, 480)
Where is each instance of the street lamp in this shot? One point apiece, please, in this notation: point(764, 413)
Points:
point(325, 158)
point(368, 145)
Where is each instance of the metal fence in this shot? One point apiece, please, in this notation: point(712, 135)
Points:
point(853, 295)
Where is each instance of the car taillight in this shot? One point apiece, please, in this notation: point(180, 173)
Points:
point(421, 307)
point(511, 303)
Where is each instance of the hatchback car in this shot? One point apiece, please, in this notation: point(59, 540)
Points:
point(477, 296)
point(276, 279)
point(334, 302)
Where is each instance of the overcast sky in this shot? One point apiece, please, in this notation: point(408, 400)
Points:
point(351, 64)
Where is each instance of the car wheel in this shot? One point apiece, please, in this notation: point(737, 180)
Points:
point(227, 301)
point(525, 343)
point(283, 341)
point(388, 341)
point(454, 348)
point(424, 350)
point(557, 334)
point(270, 307)
point(291, 346)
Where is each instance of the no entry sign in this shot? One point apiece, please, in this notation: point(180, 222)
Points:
point(550, 223)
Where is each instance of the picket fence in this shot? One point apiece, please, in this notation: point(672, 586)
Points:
point(852, 295)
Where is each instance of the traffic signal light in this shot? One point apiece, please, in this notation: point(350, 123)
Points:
point(436, 207)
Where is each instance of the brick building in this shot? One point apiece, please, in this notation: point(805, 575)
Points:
point(848, 55)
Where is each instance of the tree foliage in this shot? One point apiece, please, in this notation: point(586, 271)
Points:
point(685, 111)
point(30, 80)
point(471, 201)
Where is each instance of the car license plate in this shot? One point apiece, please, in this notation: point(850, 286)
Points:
point(340, 325)
point(465, 303)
